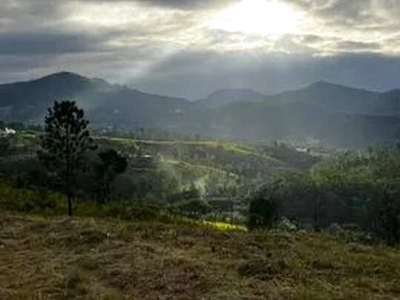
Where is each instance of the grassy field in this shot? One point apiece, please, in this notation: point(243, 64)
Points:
point(86, 258)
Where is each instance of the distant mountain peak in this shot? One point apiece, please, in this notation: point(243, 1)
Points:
point(61, 78)
point(233, 91)
point(63, 74)
point(325, 84)
point(321, 82)
point(65, 78)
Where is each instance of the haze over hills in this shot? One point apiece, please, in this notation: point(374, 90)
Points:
point(335, 114)
point(105, 103)
point(227, 96)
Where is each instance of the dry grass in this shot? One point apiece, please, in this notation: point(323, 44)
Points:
point(81, 258)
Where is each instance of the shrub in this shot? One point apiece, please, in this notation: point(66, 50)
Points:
point(263, 210)
point(28, 200)
point(193, 208)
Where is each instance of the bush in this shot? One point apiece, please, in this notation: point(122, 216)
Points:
point(263, 210)
point(29, 200)
point(193, 208)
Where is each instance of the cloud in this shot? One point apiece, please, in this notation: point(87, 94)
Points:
point(350, 45)
point(354, 14)
point(326, 25)
point(189, 4)
point(172, 4)
point(43, 43)
point(343, 11)
point(170, 46)
point(196, 74)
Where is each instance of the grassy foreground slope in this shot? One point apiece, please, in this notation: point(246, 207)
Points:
point(82, 258)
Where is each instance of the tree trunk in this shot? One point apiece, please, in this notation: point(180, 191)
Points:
point(69, 193)
point(69, 200)
point(317, 208)
point(68, 172)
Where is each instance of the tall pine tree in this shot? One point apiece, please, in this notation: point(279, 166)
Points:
point(65, 142)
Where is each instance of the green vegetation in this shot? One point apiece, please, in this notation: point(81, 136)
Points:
point(357, 189)
point(65, 142)
point(263, 210)
point(216, 181)
point(193, 219)
point(215, 175)
point(110, 164)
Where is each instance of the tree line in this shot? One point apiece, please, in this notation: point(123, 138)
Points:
point(358, 189)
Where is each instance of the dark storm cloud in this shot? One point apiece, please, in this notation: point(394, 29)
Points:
point(43, 43)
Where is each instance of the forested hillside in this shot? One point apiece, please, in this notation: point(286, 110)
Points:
point(335, 115)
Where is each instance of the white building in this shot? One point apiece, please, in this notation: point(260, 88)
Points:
point(7, 131)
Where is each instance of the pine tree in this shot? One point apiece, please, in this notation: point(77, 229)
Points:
point(110, 164)
point(65, 143)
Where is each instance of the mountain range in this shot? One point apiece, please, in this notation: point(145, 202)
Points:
point(337, 115)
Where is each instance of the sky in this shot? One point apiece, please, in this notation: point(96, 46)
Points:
point(190, 48)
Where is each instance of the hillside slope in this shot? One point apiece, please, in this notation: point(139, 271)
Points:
point(228, 96)
point(105, 103)
point(78, 258)
point(336, 115)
